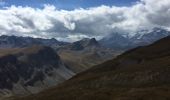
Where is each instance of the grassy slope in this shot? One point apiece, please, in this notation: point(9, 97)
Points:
point(138, 74)
point(27, 50)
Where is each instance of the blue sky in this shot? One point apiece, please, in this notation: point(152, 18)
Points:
point(69, 4)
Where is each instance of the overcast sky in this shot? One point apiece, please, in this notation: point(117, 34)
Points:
point(72, 20)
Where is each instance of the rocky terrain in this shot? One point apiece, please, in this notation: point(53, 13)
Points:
point(138, 74)
point(30, 65)
point(82, 55)
point(28, 70)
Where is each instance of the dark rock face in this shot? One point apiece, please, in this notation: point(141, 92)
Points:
point(30, 65)
point(44, 56)
point(8, 71)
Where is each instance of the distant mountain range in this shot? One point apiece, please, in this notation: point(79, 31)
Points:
point(118, 41)
point(15, 41)
point(115, 41)
point(138, 74)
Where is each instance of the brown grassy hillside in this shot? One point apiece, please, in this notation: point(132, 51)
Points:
point(26, 50)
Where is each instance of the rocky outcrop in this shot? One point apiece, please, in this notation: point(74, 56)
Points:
point(31, 70)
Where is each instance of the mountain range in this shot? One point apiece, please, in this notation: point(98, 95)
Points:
point(16, 41)
point(30, 65)
point(138, 74)
point(120, 41)
point(116, 41)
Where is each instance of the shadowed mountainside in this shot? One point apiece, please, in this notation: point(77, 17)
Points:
point(29, 70)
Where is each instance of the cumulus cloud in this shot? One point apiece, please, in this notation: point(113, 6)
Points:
point(72, 25)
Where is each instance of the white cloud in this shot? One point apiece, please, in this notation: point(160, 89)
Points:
point(79, 23)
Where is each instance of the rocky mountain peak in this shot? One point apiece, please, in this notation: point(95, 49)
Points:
point(84, 43)
point(91, 42)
